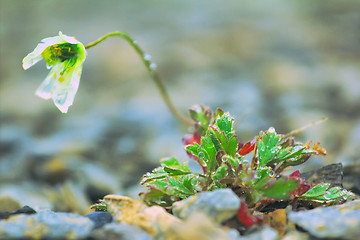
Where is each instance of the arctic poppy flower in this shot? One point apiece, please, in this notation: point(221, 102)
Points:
point(64, 57)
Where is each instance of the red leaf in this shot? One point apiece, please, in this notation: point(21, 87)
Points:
point(248, 147)
point(245, 217)
point(295, 174)
point(302, 188)
point(190, 139)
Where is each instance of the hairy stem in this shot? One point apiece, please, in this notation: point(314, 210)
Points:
point(151, 67)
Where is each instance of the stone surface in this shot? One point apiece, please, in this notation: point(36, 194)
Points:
point(46, 224)
point(153, 220)
point(117, 231)
point(267, 233)
point(200, 226)
point(295, 235)
point(219, 205)
point(341, 221)
point(25, 210)
point(100, 218)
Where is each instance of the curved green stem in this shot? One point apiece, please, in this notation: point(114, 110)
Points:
point(151, 67)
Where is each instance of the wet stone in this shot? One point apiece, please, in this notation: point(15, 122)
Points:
point(99, 218)
point(219, 205)
point(341, 221)
point(47, 224)
point(116, 231)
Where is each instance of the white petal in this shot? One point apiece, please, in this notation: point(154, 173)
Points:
point(64, 92)
point(45, 89)
point(31, 59)
point(69, 39)
point(35, 56)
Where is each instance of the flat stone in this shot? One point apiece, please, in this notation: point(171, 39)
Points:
point(341, 221)
point(117, 231)
point(219, 205)
point(46, 224)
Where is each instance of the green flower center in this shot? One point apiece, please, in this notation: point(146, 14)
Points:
point(60, 53)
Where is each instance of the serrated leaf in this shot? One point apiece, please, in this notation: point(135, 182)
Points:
point(202, 116)
point(173, 182)
point(322, 193)
point(316, 191)
point(267, 147)
point(170, 162)
point(225, 124)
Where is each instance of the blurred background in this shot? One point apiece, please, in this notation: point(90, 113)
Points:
point(270, 63)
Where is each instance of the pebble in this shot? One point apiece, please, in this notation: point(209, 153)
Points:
point(219, 205)
point(99, 218)
point(341, 221)
point(25, 210)
point(46, 224)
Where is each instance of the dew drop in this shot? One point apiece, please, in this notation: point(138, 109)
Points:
point(153, 66)
point(271, 130)
point(147, 57)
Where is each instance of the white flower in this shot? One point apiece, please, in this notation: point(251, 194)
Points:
point(64, 55)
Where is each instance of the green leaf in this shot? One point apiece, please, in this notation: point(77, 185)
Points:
point(170, 162)
point(225, 124)
point(171, 165)
point(207, 152)
point(173, 182)
point(316, 191)
point(193, 149)
point(322, 193)
point(232, 146)
point(202, 116)
point(221, 172)
point(280, 189)
point(190, 182)
point(174, 172)
point(267, 147)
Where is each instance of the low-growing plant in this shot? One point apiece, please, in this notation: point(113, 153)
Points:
point(226, 162)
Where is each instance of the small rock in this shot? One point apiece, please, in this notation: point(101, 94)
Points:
point(153, 220)
point(8, 204)
point(200, 226)
point(100, 218)
point(46, 224)
point(25, 210)
point(267, 233)
point(340, 221)
point(220, 205)
point(116, 231)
